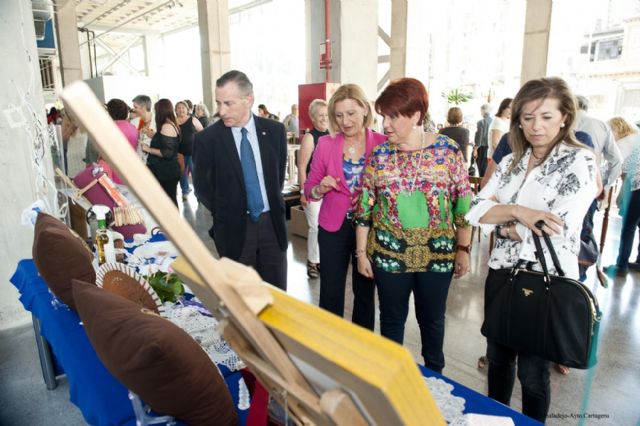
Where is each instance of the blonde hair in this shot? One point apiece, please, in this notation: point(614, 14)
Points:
point(539, 90)
point(314, 105)
point(348, 91)
point(621, 128)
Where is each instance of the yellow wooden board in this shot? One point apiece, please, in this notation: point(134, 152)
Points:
point(320, 366)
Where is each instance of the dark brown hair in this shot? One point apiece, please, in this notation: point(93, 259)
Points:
point(539, 90)
point(405, 97)
point(164, 112)
point(118, 109)
point(506, 102)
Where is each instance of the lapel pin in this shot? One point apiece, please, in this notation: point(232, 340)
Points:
point(264, 133)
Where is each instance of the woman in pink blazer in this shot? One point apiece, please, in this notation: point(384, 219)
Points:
point(336, 178)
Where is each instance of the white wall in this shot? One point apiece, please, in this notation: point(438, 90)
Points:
point(23, 139)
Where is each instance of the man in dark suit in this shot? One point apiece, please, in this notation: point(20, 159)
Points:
point(238, 174)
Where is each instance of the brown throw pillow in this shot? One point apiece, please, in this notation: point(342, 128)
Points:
point(154, 358)
point(117, 282)
point(60, 255)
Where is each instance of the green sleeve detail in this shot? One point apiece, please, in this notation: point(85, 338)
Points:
point(462, 207)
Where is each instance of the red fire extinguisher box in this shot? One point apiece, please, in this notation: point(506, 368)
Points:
point(306, 94)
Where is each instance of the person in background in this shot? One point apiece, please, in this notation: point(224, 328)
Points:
point(336, 179)
point(239, 171)
point(499, 125)
point(162, 152)
point(202, 114)
point(459, 134)
point(189, 126)
point(291, 122)
point(606, 150)
point(549, 177)
point(411, 235)
point(264, 113)
point(119, 111)
point(320, 119)
point(481, 139)
point(146, 123)
point(628, 140)
point(189, 106)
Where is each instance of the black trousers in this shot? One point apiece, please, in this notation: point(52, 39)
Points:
point(430, 290)
point(481, 160)
point(170, 186)
point(533, 373)
point(262, 252)
point(337, 249)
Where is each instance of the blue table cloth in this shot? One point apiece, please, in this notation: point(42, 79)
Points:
point(104, 401)
point(101, 398)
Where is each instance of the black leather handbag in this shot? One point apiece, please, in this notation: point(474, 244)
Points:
point(554, 317)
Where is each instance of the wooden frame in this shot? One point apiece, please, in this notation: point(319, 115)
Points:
point(322, 369)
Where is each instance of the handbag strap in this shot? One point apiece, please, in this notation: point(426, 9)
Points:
point(552, 252)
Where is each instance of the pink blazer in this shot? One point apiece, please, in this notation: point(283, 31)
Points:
point(327, 160)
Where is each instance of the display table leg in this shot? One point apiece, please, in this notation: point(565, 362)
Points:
point(44, 353)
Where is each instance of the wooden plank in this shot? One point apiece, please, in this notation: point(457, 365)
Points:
point(215, 285)
point(379, 375)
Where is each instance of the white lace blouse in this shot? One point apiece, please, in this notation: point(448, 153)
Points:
point(564, 184)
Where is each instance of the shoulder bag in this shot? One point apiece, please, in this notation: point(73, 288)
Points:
point(552, 316)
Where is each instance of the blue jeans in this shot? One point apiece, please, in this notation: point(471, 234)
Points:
point(184, 179)
point(630, 223)
point(430, 291)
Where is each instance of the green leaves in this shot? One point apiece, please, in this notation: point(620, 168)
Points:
point(457, 97)
point(168, 286)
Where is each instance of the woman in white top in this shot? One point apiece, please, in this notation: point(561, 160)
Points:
point(550, 177)
point(319, 115)
point(499, 125)
point(628, 140)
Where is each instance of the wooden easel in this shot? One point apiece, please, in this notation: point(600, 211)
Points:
point(322, 369)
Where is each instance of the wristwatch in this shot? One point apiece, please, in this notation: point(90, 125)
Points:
point(466, 248)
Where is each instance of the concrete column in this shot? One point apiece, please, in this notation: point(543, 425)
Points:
point(152, 54)
point(398, 57)
point(24, 144)
point(536, 40)
point(354, 33)
point(68, 46)
point(213, 20)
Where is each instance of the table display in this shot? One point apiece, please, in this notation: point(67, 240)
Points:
point(99, 396)
point(103, 400)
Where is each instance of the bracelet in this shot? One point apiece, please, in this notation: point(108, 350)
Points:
point(360, 253)
point(508, 228)
point(314, 193)
point(466, 248)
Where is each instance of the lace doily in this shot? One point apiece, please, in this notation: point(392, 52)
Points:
point(451, 407)
point(204, 330)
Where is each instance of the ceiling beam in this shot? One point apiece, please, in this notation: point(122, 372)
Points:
point(114, 53)
point(99, 11)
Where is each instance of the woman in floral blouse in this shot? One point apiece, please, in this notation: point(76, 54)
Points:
point(552, 177)
point(411, 234)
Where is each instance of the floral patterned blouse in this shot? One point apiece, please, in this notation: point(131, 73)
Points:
point(413, 201)
point(564, 184)
point(352, 172)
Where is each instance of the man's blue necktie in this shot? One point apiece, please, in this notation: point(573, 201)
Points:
point(255, 204)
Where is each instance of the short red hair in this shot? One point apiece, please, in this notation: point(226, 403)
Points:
point(404, 97)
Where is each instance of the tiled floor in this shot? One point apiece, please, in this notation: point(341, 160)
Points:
point(608, 392)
